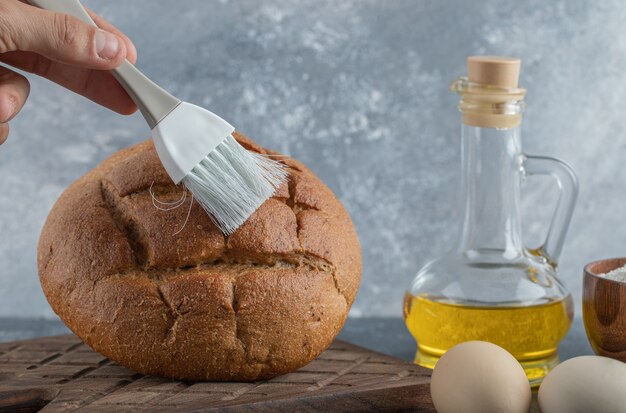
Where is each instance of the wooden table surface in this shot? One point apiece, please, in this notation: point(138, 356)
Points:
point(385, 335)
point(61, 374)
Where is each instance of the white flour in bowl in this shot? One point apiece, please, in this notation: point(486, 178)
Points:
point(618, 274)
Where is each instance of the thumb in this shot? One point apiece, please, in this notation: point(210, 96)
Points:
point(59, 37)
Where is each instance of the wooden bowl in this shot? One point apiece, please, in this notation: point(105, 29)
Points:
point(604, 309)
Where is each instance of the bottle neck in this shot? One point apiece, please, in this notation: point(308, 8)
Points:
point(492, 162)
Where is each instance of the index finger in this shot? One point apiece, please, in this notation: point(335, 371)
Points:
point(131, 51)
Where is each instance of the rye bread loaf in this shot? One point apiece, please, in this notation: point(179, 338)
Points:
point(191, 304)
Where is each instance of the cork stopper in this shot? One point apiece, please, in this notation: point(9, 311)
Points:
point(490, 97)
point(493, 70)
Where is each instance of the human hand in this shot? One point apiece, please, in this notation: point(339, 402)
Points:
point(63, 49)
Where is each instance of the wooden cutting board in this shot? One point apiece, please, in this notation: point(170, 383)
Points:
point(60, 374)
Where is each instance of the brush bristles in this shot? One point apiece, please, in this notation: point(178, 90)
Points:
point(232, 182)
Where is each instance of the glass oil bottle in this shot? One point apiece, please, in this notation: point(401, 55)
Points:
point(491, 287)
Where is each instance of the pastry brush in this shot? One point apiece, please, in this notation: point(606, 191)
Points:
point(195, 146)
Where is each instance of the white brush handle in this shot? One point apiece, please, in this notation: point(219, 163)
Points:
point(153, 101)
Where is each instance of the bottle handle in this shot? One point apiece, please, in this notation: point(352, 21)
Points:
point(568, 186)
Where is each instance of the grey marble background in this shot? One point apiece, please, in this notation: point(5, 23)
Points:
point(358, 91)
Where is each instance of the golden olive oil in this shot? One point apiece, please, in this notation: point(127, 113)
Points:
point(531, 333)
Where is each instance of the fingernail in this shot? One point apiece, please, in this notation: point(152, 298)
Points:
point(107, 44)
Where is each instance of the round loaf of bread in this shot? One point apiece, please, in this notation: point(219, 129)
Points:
point(161, 291)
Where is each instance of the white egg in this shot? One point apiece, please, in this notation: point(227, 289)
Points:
point(479, 377)
point(587, 384)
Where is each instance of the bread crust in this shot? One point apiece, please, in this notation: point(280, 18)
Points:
point(195, 305)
